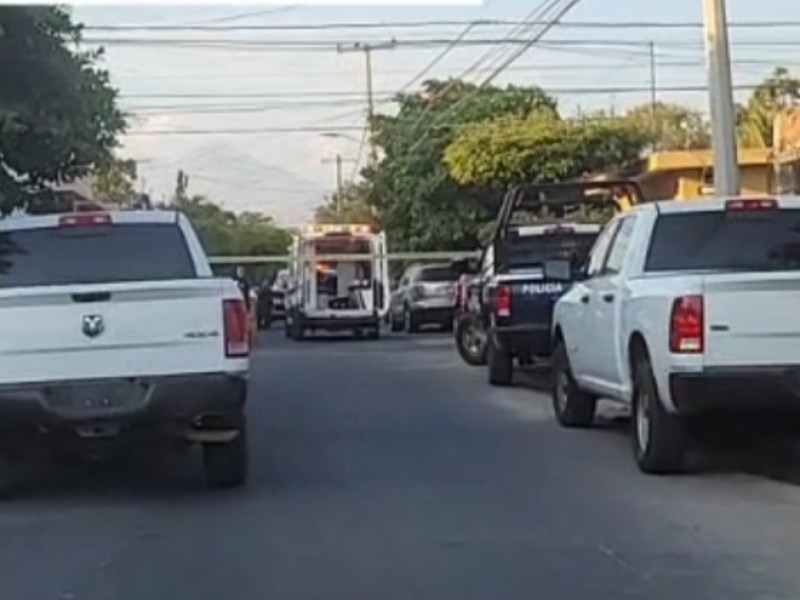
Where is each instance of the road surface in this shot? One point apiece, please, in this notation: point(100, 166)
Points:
point(389, 470)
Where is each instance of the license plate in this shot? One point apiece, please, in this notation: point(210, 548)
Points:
point(97, 397)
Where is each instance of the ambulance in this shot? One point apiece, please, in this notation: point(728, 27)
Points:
point(338, 281)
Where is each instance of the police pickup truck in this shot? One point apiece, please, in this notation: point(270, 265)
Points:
point(537, 224)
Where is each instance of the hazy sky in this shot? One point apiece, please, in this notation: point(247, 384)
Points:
point(207, 89)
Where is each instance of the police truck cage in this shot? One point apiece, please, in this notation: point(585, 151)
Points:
point(338, 280)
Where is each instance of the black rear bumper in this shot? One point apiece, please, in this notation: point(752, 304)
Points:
point(198, 399)
point(527, 339)
point(751, 389)
point(340, 323)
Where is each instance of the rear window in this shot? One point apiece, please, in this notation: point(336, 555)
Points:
point(535, 250)
point(436, 274)
point(99, 254)
point(768, 241)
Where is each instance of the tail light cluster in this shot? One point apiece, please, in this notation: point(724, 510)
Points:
point(686, 330)
point(237, 328)
point(502, 300)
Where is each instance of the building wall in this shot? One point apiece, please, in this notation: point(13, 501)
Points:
point(685, 184)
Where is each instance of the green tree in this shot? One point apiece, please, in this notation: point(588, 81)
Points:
point(671, 126)
point(541, 149)
point(58, 111)
point(350, 206)
point(410, 191)
point(114, 181)
point(756, 118)
point(225, 233)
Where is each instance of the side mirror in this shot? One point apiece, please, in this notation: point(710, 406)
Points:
point(559, 270)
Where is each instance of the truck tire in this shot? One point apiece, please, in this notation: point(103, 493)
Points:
point(501, 365)
point(470, 344)
point(226, 464)
point(659, 438)
point(412, 323)
point(298, 328)
point(572, 406)
point(13, 479)
point(374, 333)
point(395, 324)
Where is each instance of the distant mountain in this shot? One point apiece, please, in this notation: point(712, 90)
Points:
point(238, 180)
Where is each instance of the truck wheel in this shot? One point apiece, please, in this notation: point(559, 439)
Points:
point(471, 341)
point(395, 324)
point(12, 477)
point(374, 333)
point(412, 321)
point(226, 464)
point(659, 438)
point(501, 367)
point(572, 406)
point(298, 331)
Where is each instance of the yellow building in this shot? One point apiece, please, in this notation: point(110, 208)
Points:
point(687, 174)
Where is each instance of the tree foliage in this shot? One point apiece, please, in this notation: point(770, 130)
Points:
point(671, 126)
point(225, 233)
point(349, 206)
point(541, 149)
point(756, 119)
point(58, 112)
point(410, 191)
point(114, 182)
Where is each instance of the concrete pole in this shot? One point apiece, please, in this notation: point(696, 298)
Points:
point(723, 119)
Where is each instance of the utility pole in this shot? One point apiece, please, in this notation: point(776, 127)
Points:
point(723, 122)
point(367, 49)
point(653, 82)
point(338, 161)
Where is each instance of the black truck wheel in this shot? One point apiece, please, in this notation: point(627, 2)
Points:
point(501, 365)
point(412, 321)
point(659, 438)
point(471, 341)
point(395, 324)
point(572, 406)
point(226, 463)
point(297, 327)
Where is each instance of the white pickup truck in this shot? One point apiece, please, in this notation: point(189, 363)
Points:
point(113, 325)
point(684, 309)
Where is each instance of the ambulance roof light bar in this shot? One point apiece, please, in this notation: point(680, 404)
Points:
point(327, 229)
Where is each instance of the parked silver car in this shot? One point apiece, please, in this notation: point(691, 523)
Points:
point(424, 295)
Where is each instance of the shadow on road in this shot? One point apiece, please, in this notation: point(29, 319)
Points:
point(767, 447)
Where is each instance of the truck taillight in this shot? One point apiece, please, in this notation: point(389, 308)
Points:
point(502, 300)
point(237, 330)
point(85, 219)
point(686, 330)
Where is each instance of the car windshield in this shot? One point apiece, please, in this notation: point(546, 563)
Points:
point(116, 253)
point(692, 241)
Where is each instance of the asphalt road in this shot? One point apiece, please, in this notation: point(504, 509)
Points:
point(389, 470)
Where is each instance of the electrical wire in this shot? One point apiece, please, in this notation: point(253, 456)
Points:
point(207, 25)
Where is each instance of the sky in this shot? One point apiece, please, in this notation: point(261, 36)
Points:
point(228, 113)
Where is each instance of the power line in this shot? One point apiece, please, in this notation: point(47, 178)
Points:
point(248, 131)
point(206, 26)
point(550, 90)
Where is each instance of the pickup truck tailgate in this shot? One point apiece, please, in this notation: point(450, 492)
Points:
point(752, 319)
point(87, 331)
point(533, 300)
